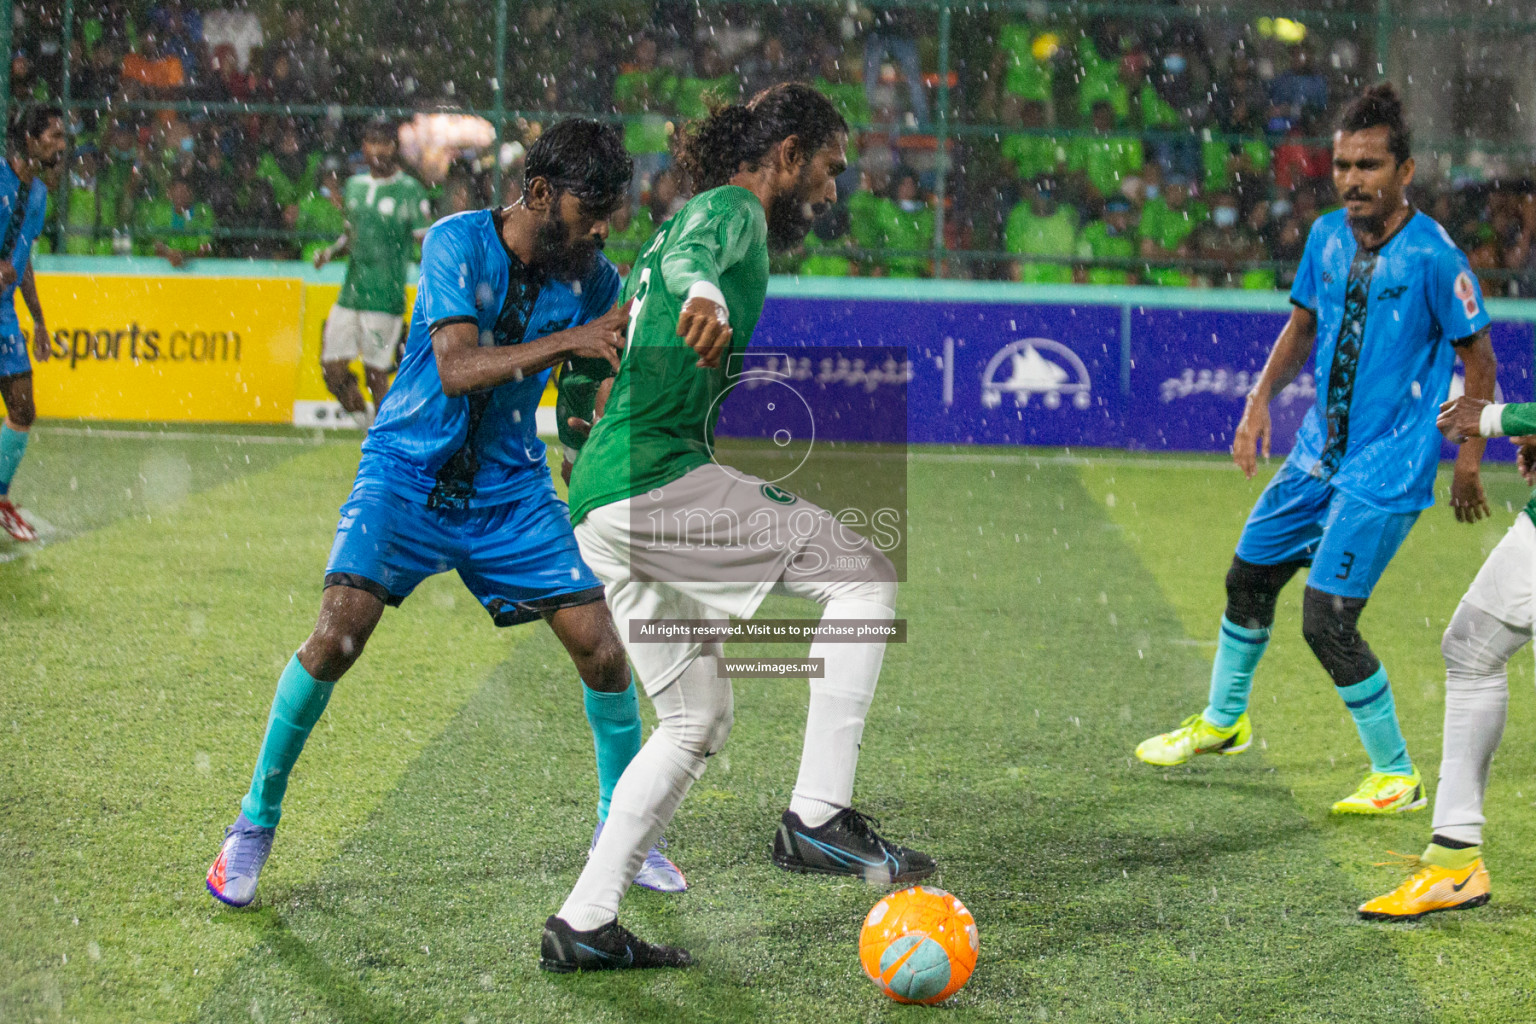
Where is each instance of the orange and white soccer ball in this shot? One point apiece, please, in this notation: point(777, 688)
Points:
point(919, 945)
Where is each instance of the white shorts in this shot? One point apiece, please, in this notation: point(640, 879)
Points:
point(359, 334)
point(709, 545)
point(1505, 586)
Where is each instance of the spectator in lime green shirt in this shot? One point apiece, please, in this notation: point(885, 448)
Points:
point(176, 212)
point(1022, 73)
point(629, 228)
point(646, 93)
point(826, 247)
point(321, 213)
point(1106, 157)
point(1042, 227)
point(1167, 221)
point(1110, 238)
point(712, 79)
point(910, 227)
point(291, 172)
point(1031, 154)
point(869, 213)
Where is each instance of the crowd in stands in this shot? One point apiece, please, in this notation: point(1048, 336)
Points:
point(1101, 150)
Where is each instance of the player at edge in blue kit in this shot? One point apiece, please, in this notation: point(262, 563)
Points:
point(34, 148)
point(1389, 301)
point(453, 474)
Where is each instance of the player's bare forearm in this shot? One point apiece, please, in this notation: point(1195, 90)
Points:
point(1292, 350)
point(29, 295)
point(1468, 501)
point(464, 365)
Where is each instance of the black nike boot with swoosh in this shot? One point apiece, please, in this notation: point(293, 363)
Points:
point(612, 947)
point(847, 844)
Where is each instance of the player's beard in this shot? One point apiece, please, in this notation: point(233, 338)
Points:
point(1368, 224)
point(559, 257)
point(790, 216)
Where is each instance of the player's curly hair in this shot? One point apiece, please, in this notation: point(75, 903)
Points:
point(583, 157)
point(1380, 106)
point(738, 135)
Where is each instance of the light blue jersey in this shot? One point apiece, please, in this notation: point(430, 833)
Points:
point(1388, 321)
point(21, 221)
point(481, 449)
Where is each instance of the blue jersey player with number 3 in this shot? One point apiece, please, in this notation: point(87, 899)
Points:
point(1389, 302)
point(453, 474)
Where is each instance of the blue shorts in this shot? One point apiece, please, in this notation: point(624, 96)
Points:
point(15, 359)
point(1300, 518)
point(520, 560)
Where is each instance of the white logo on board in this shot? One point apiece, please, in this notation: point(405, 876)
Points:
point(1036, 366)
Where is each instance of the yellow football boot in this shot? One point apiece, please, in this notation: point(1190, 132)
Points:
point(1430, 890)
point(1196, 736)
point(1381, 793)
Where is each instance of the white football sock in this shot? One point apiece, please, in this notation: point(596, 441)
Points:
point(694, 714)
point(643, 802)
point(834, 725)
point(1477, 648)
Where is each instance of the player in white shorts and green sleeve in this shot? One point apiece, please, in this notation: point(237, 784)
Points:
point(1494, 620)
point(388, 213)
point(674, 535)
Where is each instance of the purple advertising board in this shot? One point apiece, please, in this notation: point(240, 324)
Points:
point(1191, 371)
point(978, 373)
point(1068, 374)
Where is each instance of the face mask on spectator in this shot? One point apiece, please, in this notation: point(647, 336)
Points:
point(1224, 216)
point(186, 145)
point(912, 205)
point(1153, 191)
point(1175, 64)
point(1280, 208)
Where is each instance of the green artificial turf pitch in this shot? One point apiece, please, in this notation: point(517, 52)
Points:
point(1060, 608)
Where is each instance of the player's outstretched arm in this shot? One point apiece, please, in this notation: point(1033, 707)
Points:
point(1290, 354)
point(464, 365)
point(336, 249)
point(1472, 417)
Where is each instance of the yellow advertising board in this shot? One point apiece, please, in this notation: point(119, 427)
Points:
point(168, 348)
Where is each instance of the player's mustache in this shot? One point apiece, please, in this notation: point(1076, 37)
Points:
point(1356, 194)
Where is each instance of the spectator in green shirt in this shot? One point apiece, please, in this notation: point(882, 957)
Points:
point(90, 207)
point(1167, 221)
point(826, 247)
point(291, 172)
point(320, 212)
point(1031, 154)
point(1109, 238)
point(909, 227)
point(160, 221)
point(646, 93)
point(1023, 75)
point(712, 79)
point(1106, 157)
point(629, 229)
point(869, 213)
point(1042, 227)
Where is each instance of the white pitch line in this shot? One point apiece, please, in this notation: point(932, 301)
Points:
point(188, 435)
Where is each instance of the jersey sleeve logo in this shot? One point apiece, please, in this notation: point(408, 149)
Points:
point(1467, 294)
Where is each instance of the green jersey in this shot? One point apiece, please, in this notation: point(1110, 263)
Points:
point(662, 410)
point(289, 190)
point(383, 215)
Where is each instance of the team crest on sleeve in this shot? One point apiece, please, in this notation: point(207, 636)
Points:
point(1466, 293)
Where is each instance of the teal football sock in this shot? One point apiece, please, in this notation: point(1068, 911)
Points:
point(615, 722)
point(296, 707)
point(1370, 703)
point(1238, 651)
point(13, 445)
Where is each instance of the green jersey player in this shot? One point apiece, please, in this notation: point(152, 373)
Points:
point(387, 215)
point(674, 535)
